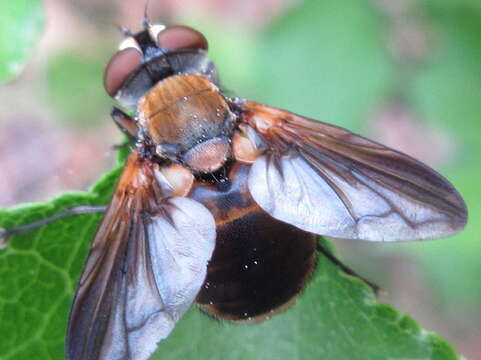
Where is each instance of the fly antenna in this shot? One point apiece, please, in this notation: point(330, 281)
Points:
point(146, 21)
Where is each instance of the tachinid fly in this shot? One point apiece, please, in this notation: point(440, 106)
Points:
point(221, 200)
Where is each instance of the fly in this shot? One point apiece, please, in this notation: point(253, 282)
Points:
point(221, 200)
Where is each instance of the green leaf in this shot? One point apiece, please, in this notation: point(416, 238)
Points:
point(337, 317)
point(39, 271)
point(21, 24)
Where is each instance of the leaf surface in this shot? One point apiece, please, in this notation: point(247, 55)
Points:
point(337, 317)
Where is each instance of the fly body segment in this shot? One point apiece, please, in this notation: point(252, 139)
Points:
point(221, 200)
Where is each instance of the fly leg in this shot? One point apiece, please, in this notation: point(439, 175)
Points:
point(76, 210)
point(125, 123)
point(346, 269)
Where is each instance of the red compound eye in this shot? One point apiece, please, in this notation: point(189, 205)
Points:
point(181, 37)
point(119, 68)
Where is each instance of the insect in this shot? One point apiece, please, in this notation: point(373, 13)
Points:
point(221, 200)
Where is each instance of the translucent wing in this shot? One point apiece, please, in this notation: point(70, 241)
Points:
point(147, 263)
point(326, 180)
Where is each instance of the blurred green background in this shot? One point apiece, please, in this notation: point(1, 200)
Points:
point(405, 73)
